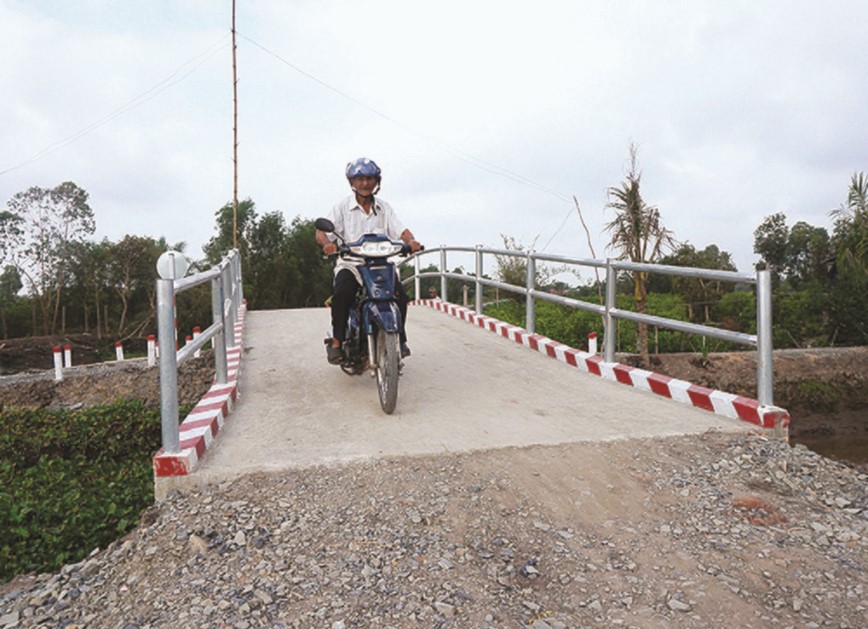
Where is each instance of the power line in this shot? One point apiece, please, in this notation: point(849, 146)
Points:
point(461, 155)
point(199, 60)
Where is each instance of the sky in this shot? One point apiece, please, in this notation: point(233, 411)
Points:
point(486, 116)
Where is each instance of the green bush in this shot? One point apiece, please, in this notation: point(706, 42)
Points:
point(71, 481)
point(571, 326)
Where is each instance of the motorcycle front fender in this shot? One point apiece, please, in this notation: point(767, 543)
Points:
point(384, 314)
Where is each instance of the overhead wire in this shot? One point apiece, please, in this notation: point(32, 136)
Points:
point(461, 155)
point(199, 60)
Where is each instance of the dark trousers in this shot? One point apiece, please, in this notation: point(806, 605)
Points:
point(344, 292)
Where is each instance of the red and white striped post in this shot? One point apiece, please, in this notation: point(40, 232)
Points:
point(196, 332)
point(58, 363)
point(119, 350)
point(592, 343)
point(152, 350)
point(67, 355)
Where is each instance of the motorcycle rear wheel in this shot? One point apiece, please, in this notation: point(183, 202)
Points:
point(388, 358)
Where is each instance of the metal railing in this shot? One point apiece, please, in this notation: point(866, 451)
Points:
point(762, 340)
point(226, 299)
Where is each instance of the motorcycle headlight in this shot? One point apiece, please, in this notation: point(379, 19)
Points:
point(382, 248)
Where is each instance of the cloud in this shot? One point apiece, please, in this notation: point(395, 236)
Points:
point(740, 110)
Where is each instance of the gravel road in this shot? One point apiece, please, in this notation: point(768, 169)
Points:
point(702, 531)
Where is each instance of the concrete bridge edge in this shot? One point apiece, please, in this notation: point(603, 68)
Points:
point(202, 425)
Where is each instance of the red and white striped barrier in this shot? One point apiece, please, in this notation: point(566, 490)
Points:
point(119, 350)
point(67, 355)
point(196, 332)
point(719, 402)
point(201, 426)
point(58, 363)
point(152, 350)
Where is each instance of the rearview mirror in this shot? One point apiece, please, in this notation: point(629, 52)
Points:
point(324, 225)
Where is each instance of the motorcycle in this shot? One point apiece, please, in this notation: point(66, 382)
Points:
point(372, 339)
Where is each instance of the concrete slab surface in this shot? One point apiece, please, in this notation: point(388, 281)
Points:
point(463, 389)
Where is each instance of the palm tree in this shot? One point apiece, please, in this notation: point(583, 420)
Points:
point(851, 227)
point(637, 235)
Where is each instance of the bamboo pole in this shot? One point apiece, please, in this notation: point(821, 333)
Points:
point(234, 135)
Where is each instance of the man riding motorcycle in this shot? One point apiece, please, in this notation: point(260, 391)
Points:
point(358, 214)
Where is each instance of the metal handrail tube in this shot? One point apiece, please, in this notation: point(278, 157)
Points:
point(228, 333)
point(685, 326)
point(443, 267)
point(502, 286)
point(600, 264)
point(168, 365)
point(567, 301)
point(199, 342)
point(220, 361)
point(764, 337)
point(608, 320)
point(503, 252)
point(194, 280)
point(457, 276)
point(762, 340)
point(685, 271)
point(225, 291)
point(530, 284)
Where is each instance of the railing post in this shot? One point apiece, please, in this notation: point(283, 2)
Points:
point(764, 337)
point(228, 318)
point(443, 270)
point(478, 278)
point(233, 294)
point(417, 281)
point(611, 292)
point(530, 283)
point(220, 364)
point(238, 276)
point(168, 366)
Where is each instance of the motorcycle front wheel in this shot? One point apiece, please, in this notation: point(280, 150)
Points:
point(388, 358)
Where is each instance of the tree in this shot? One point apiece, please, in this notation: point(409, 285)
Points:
point(798, 256)
point(693, 290)
point(770, 242)
point(512, 269)
point(309, 274)
point(221, 244)
point(637, 235)
point(10, 284)
point(808, 254)
point(88, 281)
point(849, 297)
point(37, 233)
point(268, 264)
point(850, 236)
point(131, 272)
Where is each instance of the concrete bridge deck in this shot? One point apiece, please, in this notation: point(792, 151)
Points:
point(463, 389)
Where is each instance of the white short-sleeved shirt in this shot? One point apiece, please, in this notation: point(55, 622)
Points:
point(352, 223)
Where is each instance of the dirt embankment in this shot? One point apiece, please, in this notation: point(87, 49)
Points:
point(825, 390)
point(102, 383)
point(36, 353)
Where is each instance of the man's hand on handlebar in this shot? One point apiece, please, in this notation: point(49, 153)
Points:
point(415, 246)
point(330, 249)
